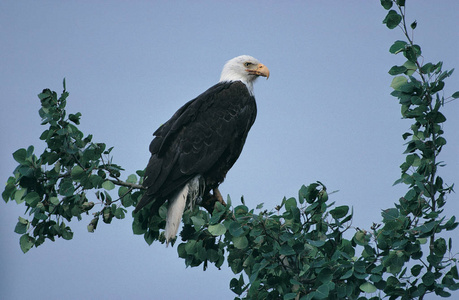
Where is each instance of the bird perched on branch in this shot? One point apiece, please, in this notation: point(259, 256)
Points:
point(192, 152)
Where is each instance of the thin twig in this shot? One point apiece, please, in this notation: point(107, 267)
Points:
point(127, 184)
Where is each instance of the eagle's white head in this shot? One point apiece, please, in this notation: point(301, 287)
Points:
point(244, 68)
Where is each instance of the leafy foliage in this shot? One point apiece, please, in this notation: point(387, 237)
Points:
point(54, 186)
point(298, 250)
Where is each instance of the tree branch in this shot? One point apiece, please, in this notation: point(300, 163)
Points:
point(127, 184)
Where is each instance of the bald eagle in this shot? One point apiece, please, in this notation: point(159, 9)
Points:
point(192, 152)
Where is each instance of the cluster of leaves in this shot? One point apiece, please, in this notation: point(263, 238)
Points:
point(297, 250)
point(54, 186)
point(417, 218)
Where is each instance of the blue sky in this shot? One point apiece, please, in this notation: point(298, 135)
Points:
point(325, 114)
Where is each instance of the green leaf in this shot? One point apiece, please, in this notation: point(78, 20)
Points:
point(454, 272)
point(75, 118)
point(359, 267)
point(190, 247)
point(410, 66)
point(302, 194)
point(416, 270)
point(107, 215)
point(390, 214)
point(45, 94)
point(66, 188)
point(23, 221)
point(32, 199)
point(428, 279)
point(387, 4)
point(235, 229)
point(77, 172)
point(456, 95)
point(240, 242)
point(236, 285)
point(440, 247)
point(40, 216)
point(132, 179)
point(427, 68)
point(325, 275)
point(67, 234)
point(30, 151)
point(108, 185)
point(122, 191)
point(198, 222)
point(396, 70)
point(360, 238)
point(20, 156)
point(426, 227)
point(339, 212)
point(19, 195)
point(422, 241)
point(411, 53)
point(368, 287)
point(438, 117)
point(290, 203)
point(217, 229)
point(322, 292)
point(394, 262)
point(314, 243)
point(398, 82)
point(96, 180)
point(120, 213)
point(93, 224)
point(416, 100)
point(286, 250)
point(397, 47)
point(440, 141)
point(451, 224)
point(241, 210)
point(137, 227)
point(54, 200)
point(347, 274)
point(21, 228)
point(10, 188)
point(392, 19)
point(26, 242)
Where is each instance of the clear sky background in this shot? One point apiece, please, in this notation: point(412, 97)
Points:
point(324, 114)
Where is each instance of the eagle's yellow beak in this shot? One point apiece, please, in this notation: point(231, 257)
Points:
point(261, 70)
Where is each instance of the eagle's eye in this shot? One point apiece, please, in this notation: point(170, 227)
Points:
point(247, 64)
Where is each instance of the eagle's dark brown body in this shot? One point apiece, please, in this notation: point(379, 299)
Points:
point(204, 137)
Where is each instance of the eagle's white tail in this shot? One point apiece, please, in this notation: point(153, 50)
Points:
point(177, 205)
point(175, 210)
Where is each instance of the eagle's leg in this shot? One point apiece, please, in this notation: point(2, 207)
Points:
point(218, 196)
